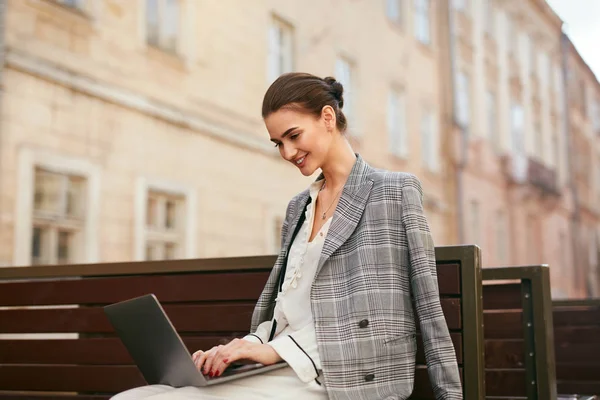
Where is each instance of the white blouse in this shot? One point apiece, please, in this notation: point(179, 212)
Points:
point(295, 340)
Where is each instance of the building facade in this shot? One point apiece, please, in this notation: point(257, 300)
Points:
point(132, 130)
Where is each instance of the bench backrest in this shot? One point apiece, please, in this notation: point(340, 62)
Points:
point(208, 300)
point(519, 345)
point(577, 335)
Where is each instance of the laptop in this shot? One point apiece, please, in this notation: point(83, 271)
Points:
point(157, 348)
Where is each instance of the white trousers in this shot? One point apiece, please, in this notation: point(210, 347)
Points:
point(282, 383)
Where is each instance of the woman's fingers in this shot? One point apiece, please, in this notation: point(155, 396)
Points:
point(196, 355)
point(209, 363)
point(234, 351)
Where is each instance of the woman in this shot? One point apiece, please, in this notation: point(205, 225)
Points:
point(337, 306)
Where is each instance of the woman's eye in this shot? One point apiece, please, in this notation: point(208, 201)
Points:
point(277, 144)
point(294, 136)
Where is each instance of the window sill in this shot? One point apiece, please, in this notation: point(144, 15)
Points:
point(75, 14)
point(425, 47)
point(396, 26)
point(166, 57)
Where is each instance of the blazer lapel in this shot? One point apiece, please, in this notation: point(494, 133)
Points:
point(348, 211)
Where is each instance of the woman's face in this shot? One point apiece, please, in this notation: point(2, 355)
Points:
point(301, 138)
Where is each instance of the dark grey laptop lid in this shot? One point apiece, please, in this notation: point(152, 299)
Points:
point(153, 342)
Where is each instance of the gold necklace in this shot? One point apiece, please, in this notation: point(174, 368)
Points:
point(323, 187)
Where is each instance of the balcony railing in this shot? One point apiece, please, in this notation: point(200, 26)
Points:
point(526, 170)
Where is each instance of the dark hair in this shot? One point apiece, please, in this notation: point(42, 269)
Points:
point(305, 92)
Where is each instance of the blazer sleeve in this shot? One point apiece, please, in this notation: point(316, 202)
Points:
point(439, 350)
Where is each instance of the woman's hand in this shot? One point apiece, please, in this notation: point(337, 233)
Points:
point(214, 361)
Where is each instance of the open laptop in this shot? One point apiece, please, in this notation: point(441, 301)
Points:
point(158, 350)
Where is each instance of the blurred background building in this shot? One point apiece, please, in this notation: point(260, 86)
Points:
point(131, 130)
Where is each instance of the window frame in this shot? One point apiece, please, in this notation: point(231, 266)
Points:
point(30, 159)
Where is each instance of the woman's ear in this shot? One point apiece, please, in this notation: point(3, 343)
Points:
point(328, 115)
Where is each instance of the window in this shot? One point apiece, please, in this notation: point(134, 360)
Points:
point(429, 141)
point(58, 217)
point(460, 5)
point(539, 140)
point(281, 53)
point(164, 225)
point(595, 111)
point(532, 242)
point(511, 35)
point(162, 24)
point(393, 10)
point(475, 223)
point(517, 126)
point(492, 120)
point(597, 169)
point(396, 123)
point(501, 238)
point(78, 4)
point(556, 149)
point(488, 13)
point(463, 101)
point(422, 25)
point(344, 74)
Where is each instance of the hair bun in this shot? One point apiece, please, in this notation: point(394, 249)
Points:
point(336, 89)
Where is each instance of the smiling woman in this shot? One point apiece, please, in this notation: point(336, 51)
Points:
point(337, 307)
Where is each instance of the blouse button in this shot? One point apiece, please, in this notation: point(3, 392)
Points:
point(369, 377)
point(364, 323)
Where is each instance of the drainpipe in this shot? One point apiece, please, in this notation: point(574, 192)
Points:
point(570, 153)
point(456, 123)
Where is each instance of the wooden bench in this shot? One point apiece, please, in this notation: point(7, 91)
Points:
point(577, 338)
point(208, 300)
point(519, 345)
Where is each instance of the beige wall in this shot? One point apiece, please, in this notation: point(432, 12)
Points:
point(84, 88)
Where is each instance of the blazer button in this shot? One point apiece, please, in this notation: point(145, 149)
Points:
point(369, 377)
point(364, 323)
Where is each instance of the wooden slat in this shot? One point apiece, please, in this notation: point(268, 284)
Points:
point(588, 388)
point(451, 310)
point(578, 372)
point(167, 288)
point(498, 383)
point(456, 340)
point(238, 264)
point(185, 318)
point(503, 325)
point(58, 396)
point(587, 354)
point(77, 378)
point(510, 382)
point(576, 334)
point(504, 353)
point(502, 297)
point(109, 379)
point(422, 387)
point(86, 351)
point(576, 316)
point(448, 279)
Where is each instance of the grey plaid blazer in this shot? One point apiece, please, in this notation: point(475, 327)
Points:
point(378, 252)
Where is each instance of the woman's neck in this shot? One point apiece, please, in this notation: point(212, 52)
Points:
point(339, 163)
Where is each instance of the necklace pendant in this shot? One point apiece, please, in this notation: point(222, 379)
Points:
point(324, 215)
